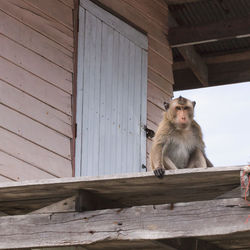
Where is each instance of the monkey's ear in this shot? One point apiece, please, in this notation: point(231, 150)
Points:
point(166, 105)
point(194, 103)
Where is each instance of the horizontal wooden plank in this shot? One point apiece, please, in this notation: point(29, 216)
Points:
point(152, 125)
point(180, 1)
point(136, 18)
point(19, 170)
point(129, 32)
point(153, 222)
point(218, 74)
point(151, 9)
point(69, 3)
point(34, 131)
point(38, 21)
point(157, 96)
point(160, 82)
point(35, 41)
point(129, 189)
point(161, 49)
point(36, 87)
point(160, 65)
point(4, 179)
point(154, 113)
point(33, 108)
point(35, 64)
point(232, 57)
point(55, 9)
point(211, 32)
point(34, 155)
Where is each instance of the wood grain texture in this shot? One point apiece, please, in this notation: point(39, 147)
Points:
point(55, 9)
point(160, 82)
point(160, 65)
point(34, 131)
point(222, 218)
point(4, 179)
point(35, 41)
point(36, 87)
point(34, 109)
point(19, 170)
point(154, 113)
point(157, 96)
point(36, 64)
point(34, 154)
point(69, 3)
point(129, 189)
point(38, 21)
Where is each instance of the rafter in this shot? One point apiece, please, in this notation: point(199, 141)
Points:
point(232, 57)
point(192, 59)
point(190, 35)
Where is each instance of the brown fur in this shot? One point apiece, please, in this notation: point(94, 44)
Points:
point(178, 145)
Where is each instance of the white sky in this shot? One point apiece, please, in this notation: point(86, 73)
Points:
point(224, 115)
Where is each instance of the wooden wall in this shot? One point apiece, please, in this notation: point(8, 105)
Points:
point(36, 67)
point(150, 16)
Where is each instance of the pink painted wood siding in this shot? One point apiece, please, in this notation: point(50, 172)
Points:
point(36, 67)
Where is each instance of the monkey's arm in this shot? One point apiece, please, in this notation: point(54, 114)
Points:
point(158, 158)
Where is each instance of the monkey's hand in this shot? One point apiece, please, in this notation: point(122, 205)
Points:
point(159, 172)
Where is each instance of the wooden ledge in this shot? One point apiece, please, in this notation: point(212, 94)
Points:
point(127, 189)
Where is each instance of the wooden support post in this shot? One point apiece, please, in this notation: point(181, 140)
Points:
point(245, 183)
point(89, 201)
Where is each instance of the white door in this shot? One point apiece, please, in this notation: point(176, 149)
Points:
point(111, 94)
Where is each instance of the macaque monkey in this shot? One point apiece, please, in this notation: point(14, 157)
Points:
point(178, 141)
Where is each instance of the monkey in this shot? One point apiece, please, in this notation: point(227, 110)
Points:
point(178, 142)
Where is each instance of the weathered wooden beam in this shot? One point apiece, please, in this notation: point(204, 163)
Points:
point(180, 1)
point(66, 205)
point(219, 74)
point(194, 219)
point(127, 189)
point(192, 58)
point(195, 63)
point(245, 183)
point(233, 57)
point(190, 35)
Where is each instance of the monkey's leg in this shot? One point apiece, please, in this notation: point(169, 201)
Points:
point(167, 163)
point(197, 160)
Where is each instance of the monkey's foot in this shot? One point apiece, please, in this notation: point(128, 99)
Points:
point(159, 172)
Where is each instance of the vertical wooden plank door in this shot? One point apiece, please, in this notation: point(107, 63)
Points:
point(111, 94)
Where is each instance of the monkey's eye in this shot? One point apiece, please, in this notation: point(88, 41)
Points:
point(186, 108)
point(178, 108)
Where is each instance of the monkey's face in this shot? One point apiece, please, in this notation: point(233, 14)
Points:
point(181, 113)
